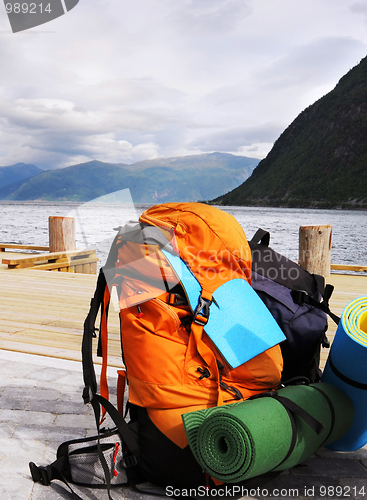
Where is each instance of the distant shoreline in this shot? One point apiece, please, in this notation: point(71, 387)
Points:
point(223, 207)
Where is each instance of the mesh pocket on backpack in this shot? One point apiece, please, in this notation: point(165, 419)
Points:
point(86, 467)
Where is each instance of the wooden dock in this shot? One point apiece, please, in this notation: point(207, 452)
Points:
point(43, 312)
point(71, 261)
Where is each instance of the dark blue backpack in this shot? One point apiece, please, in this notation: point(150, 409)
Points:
point(299, 302)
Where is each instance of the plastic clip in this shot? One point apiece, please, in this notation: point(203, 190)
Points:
point(87, 394)
point(130, 461)
point(39, 474)
point(202, 311)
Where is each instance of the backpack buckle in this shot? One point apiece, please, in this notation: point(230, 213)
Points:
point(39, 474)
point(130, 461)
point(300, 297)
point(202, 309)
point(87, 394)
point(175, 299)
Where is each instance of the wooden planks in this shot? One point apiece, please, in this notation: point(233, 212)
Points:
point(79, 261)
point(43, 313)
point(15, 246)
point(348, 267)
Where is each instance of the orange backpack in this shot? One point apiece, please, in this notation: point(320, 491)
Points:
point(194, 334)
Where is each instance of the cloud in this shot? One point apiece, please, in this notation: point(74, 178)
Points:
point(278, 91)
point(210, 16)
point(120, 82)
point(111, 121)
point(359, 7)
point(319, 61)
point(237, 139)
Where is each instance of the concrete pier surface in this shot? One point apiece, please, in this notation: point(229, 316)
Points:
point(41, 406)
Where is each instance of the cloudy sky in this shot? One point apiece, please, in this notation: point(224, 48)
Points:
point(122, 81)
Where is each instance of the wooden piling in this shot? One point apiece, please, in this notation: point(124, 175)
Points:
point(315, 249)
point(61, 234)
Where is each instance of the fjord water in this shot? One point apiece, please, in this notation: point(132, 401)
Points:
point(27, 223)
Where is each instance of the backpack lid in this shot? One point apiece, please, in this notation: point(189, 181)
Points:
point(210, 241)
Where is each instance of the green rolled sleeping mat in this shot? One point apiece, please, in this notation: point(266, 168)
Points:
point(274, 431)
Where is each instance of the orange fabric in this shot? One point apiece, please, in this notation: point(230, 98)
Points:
point(162, 362)
point(169, 370)
point(146, 273)
point(209, 240)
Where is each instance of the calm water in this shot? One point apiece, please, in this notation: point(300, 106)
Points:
point(27, 223)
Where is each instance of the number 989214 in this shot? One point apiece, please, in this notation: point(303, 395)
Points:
point(27, 8)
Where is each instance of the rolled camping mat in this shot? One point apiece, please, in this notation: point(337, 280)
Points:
point(346, 368)
point(246, 439)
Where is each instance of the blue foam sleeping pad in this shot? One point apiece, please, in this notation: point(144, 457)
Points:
point(346, 368)
point(240, 325)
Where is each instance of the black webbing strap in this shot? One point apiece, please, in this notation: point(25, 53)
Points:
point(320, 284)
point(225, 386)
point(126, 435)
point(97, 413)
point(344, 378)
point(44, 475)
point(332, 410)
point(315, 425)
point(131, 454)
point(261, 237)
point(89, 374)
point(325, 302)
point(293, 409)
point(293, 438)
point(90, 390)
point(301, 297)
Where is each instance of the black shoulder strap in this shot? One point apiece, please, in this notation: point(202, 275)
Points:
point(90, 389)
point(301, 297)
point(89, 375)
point(45, 474)
point(90, 383)
point(261, 237)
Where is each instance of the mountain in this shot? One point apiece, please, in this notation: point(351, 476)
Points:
point(320, 160)
point(17, 172)
point(208, 160)
point(189, 178)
